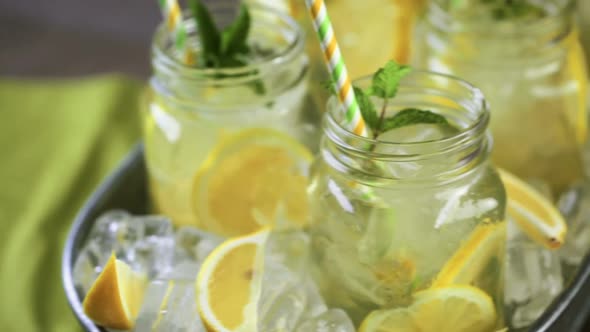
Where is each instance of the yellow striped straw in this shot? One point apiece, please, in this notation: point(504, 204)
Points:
point(336, 67)
point(173, 17)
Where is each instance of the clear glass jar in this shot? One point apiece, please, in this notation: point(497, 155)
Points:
point(532, 72)
point(391, 216)
point(196, 120)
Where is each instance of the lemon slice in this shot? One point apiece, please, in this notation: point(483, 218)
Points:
point(454, 308)
point(389, 36)
point(576, 68)
point(116, 296)
point(469, 262)
point(533, 213)
point(248, 178)
point(228, 284)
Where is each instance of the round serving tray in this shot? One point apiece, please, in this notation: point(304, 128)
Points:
point(126, 189)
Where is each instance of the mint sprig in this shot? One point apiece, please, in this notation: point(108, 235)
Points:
point(411, 116)
point(227, 48)
point(501, 9)
point(233, 38)
point(208, 34)
point(368, 110)
point(386, 80)
point(384, 85)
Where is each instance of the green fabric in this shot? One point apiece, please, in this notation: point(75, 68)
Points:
point(59, 139)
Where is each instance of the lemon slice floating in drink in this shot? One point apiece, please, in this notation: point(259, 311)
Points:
point(227, 284)
point(534, 214)
point(116, 296)
point(454, 308)
point(248, 178)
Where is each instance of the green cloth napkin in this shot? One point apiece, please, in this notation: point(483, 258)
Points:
point(59, 139)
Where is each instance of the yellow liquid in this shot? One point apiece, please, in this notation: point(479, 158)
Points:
point(370, 256)
point(537, 105)
point(178, 143)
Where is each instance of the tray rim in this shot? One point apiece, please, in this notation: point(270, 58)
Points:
point(80, 223)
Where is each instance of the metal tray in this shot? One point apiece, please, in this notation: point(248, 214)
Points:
point(126, 189)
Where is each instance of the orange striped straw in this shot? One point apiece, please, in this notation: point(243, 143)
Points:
point(336, 66)
point(173, 16)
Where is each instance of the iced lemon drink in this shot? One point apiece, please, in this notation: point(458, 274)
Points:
point(410, 223)
point(527, 59)
point(228, 140)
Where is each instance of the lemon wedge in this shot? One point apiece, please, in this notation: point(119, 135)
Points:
point(116, 296)
point(469, 262)
point(453, 308)
point(533, 213)
point(248, 178)
point(228, 284)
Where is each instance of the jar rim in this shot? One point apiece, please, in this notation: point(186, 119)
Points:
point(443, 20)
point(168, 63)
point(339, 133)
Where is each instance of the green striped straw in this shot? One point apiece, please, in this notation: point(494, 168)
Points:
point(336, 66)
point(337, 69)
point(173, 17)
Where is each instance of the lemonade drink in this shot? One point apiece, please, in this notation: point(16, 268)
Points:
point(386, 35)
point(420, 208)
point(530, 66)
point(216, 138)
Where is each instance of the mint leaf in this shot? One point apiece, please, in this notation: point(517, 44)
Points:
point(233, 38)
point(208, 33)
point(367, 107)
point(411, 116)
point(386, 80)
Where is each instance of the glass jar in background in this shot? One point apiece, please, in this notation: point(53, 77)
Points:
point(532, 71)
point(417, 209)
point(584, 21)
point(364, 43)
point(226, 149)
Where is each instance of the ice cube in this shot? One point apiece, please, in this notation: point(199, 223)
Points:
point(185, 270)
point(178, 309)
point(283, 312)
point(574, 204)
point(333, 320)
point(115, 231)
point(153, 253)
point(146, 243)
point(533, 278)
point(287, 295)
point(87, 267)
point(289, 249)
point(112, 232)
point(196, 244)
point(315, 304)
point(152, 302)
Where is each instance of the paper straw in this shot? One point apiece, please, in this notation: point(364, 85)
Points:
point(336, 67)
point(173, 17)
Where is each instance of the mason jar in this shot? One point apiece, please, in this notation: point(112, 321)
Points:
point(419, 207)
point(532, 71)
point(215, 138)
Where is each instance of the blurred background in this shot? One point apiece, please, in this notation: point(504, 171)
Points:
point(62, 137)
point(70, 38)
